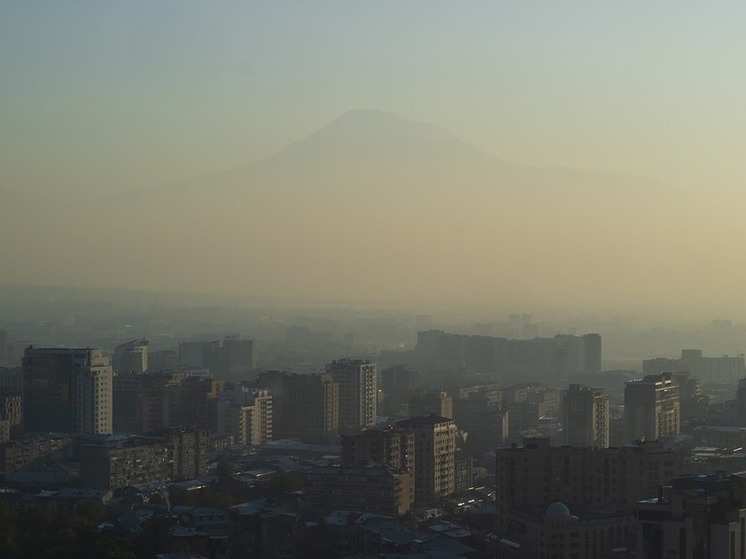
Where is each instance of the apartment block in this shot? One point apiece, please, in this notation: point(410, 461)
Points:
point(435, 457)
point(539, 474)
point(651, 408)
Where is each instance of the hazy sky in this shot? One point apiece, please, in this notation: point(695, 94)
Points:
point(108, 96)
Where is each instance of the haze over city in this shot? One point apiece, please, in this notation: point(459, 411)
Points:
point(434, 152)
point(372, 280)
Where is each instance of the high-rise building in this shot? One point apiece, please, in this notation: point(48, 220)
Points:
point(435, 457)
point(196, 354)
point(585, 417)
point(3, 348)
point(306, 406)
point(131, 357)
point(240, 357)
point(651, 408)
point(249, 416)
point(741, 403)
point(387, 448)
point(67, 390)
point(235, 358)
point(357, 392)
point(398, 382)
point(431, 402)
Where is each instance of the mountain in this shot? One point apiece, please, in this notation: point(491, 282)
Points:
point(374, 205)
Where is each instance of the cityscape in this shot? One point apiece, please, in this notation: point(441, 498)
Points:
point(420, 439)
point(372, 280)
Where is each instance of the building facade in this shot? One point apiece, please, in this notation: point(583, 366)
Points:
point(585, 417)
point(539, 474)
point(357, 392)
point(435, 402)
point(651, 408)
point(131, 357)
point(67, 390)
point(371, 490)
point(435, 457)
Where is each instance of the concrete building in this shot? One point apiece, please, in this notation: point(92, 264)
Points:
point(431, 402)
point(249, 417)
point(561, 532)
point(3, 348)
point(357, 392)
point(585, 417)
point(387, 448)
point(131, 357)
point(365, 490)
point(152, 459)
point(67, 390)
point(16, 455)
point(561, 355)
point(233, 360)
point(435, 457)
point(143, 403)
point(240, 355)
point(304, 406)
point(695, 516)
point(398, 382)
point(651, 408)
point(692, 361)
point(539, 474)
point(741, 403)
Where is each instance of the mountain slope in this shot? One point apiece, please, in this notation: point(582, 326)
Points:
point(376, 206)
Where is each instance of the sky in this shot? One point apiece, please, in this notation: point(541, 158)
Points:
point(105, 97)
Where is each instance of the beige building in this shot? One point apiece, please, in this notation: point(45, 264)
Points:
point(651, 408)
point(539, 474)
point(250, 421)
point(585, 417)
point(429, 402)
point(435, 457)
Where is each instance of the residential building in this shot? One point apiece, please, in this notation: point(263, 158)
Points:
point(435, 457)
point(67, 390)
point(305, 406)
point(695, 516)
point(585, 417)
point(427, 402)
point(561, 355)
point(709, 369)
point(131, 357)
point(539, 474)
point(357, 392)
point(240, 357)
point(390, 448)
point(249, 416)
point(559, 531)
point(156, 458)
point(364, 490)
point(651, 408)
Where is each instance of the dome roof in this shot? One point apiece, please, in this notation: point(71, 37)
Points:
point(558, 510)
